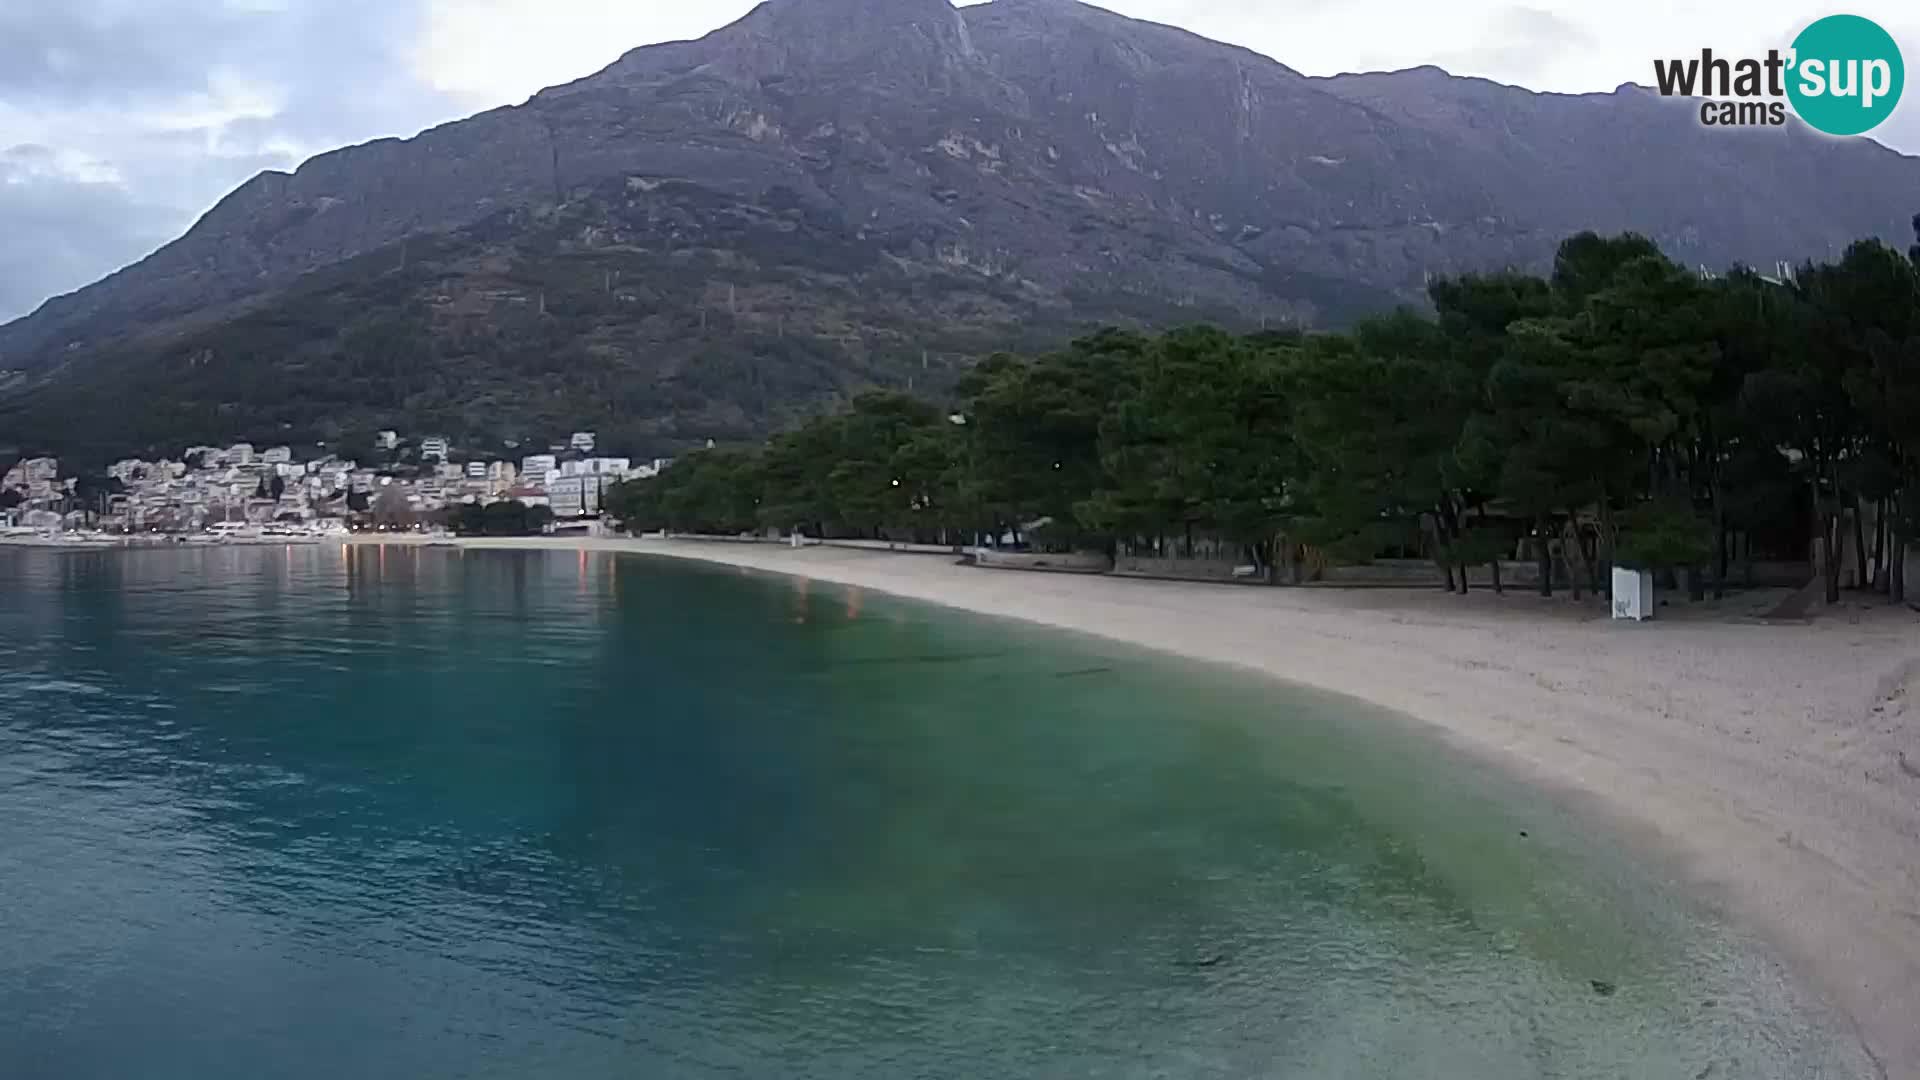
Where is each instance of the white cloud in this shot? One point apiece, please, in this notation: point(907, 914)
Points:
point(146, 112)
point(493, 52)
point(30, 163)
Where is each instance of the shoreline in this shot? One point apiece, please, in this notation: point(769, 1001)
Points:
point(1765, 760)
point(37, 544)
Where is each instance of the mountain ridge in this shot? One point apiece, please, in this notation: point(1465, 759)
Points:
point(1058, 165)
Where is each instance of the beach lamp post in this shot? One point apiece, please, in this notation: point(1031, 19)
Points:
point(961, 420)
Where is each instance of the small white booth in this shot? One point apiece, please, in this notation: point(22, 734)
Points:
point(1632, 594)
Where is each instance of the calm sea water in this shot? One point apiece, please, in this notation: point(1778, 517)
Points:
point(419, 814)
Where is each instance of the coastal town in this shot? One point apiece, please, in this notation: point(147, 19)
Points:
point(244, 491)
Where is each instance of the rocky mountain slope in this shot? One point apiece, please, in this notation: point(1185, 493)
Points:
point(708, 236)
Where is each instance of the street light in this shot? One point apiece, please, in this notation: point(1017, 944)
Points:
point(961, 420)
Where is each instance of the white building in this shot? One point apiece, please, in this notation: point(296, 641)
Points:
point(279, 455)
point(240, 453)
point(26, 473)
point(616, 468)
point(536, 467)
point(576, 496)
point(434, 446)
point(448, 471)
point(337, 478)
point(582, 441)
point(476, 470)
point(387, 440)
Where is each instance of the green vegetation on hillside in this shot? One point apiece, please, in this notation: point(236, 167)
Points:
point(631, 314)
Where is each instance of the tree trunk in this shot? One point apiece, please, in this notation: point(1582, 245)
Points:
point(1499, 589)
point(1720, 538)
point(1436, 532)
point(1830, 537)
point(1596, 581)
point(1545, 555)
point(1575, 555)
point(1603, 549)
point(1899, 547)
point(1882, 579)
point(1827, 523)
point(1860, 541)
point(1451, 522)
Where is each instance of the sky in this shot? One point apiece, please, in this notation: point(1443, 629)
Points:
point(122, 121)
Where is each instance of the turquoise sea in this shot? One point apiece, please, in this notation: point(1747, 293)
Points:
point(393, 812)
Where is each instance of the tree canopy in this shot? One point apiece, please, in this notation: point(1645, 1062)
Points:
point(508, 517)
point(1624, 407)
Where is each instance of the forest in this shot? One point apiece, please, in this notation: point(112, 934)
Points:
point(1653, 413)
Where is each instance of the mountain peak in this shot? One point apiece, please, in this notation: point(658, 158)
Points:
point(852, 26)
point(922, 41)
point(914, 42)
point(895, 10)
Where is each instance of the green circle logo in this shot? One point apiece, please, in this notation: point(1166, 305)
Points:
point(1847, 75)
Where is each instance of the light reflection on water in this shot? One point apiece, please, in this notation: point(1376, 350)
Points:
point(436, 813)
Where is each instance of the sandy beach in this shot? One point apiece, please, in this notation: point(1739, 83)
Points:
point(1777, 767)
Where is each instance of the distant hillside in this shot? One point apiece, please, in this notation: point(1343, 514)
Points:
point(708, 237)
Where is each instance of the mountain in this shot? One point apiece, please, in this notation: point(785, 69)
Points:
point(708, 237)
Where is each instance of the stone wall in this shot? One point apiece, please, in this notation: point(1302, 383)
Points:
point(1079, 562)
point(1417, 573)
point(898, 547)
point(1182, 569)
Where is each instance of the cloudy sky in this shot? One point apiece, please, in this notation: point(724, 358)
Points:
point(121, 121)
